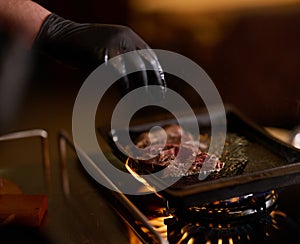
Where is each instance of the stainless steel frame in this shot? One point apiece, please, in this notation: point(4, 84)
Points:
point(138, 219)
point(43, 135)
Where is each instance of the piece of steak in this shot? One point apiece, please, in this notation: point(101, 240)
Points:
point(189, 161)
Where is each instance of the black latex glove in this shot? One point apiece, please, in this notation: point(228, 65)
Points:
point(86, 46)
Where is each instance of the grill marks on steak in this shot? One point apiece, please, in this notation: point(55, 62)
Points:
point(189, 161)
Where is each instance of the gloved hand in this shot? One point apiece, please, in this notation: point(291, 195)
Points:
point(86, 46)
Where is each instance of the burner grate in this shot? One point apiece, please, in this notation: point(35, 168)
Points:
point(271, 228)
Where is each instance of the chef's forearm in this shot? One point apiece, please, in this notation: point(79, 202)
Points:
point(22, 17)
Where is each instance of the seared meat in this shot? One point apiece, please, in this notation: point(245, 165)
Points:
point(179, 156)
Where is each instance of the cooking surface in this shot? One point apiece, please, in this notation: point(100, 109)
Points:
point(270, 164)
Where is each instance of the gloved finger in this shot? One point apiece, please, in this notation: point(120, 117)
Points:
point(135, 60)
point(151, 58)
point(119, 65)
point(155, 73)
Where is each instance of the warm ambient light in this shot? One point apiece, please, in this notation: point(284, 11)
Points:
point(193, 6)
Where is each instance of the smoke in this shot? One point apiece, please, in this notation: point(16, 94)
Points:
point(14, 73)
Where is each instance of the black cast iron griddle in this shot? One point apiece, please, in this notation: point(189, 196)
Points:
point(272, 164)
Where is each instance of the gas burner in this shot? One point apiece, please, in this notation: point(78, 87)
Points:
point(236, 220)
point(232, 210)
point(271, 228)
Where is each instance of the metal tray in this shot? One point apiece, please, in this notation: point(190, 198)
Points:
point(273, 164)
